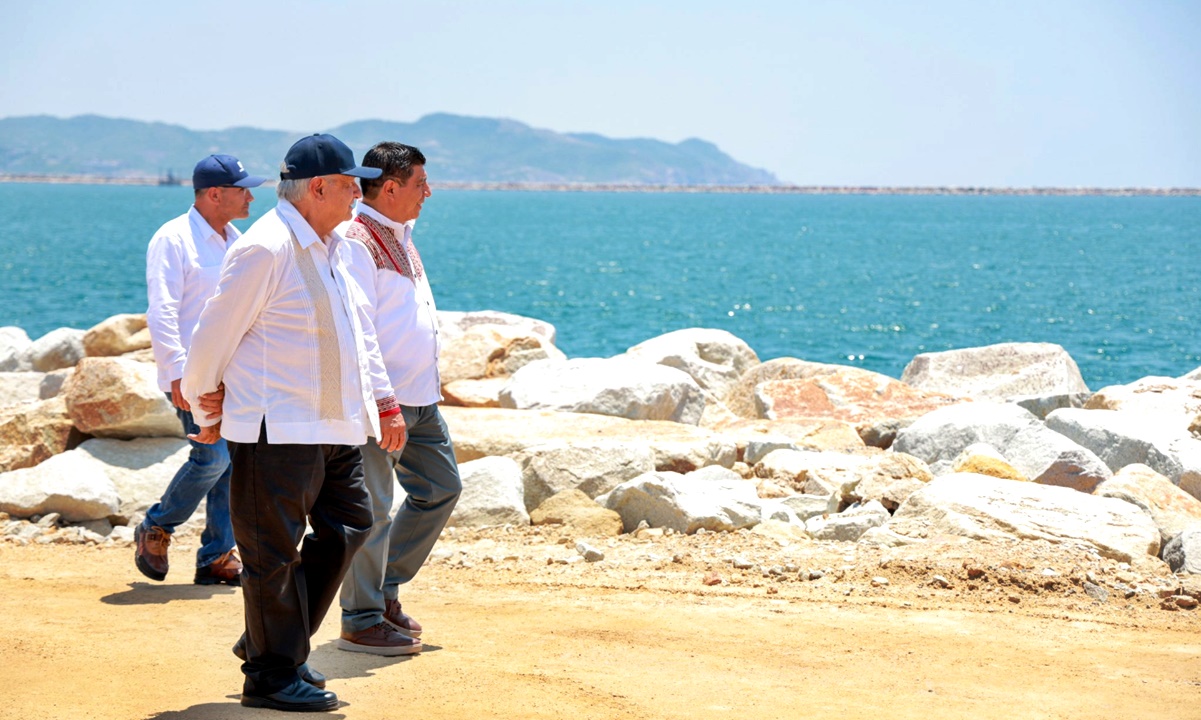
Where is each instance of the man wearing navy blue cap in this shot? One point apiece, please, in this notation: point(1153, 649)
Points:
point(289, 335)
point(182, 263)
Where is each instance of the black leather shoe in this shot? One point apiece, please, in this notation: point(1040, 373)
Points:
point(297, 697)
point(311, 676)
point(308, 674)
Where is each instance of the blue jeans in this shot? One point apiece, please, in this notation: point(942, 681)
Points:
point(205, 475)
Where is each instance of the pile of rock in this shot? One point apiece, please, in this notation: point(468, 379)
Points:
point(685, 432)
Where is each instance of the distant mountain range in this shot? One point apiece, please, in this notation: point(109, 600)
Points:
point(458, 148)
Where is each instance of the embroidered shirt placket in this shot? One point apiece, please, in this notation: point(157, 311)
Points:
point(329, 356)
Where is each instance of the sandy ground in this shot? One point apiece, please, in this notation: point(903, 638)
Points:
point(513, 631)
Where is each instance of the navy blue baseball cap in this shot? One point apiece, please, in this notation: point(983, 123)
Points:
point(223, 171)
point(320, 154)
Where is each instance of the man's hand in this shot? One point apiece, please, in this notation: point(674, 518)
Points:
point(211, 403)
point(177, 398)
point(394, 432)
point(207, 435)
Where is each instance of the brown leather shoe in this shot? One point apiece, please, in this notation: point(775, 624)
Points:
point(225, 569)
point(396, 617)
point(379, 639)
point(150, 555)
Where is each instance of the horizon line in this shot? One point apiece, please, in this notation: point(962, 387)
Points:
point(781, 189)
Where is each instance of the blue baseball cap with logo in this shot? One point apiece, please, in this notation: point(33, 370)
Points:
point(223, 171)
point(322, 154)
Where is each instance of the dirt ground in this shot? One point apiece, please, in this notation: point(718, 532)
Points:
point(714, 625)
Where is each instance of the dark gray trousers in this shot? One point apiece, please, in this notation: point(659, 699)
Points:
point(397, 546)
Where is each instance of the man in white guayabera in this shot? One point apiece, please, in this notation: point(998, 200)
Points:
point(289, 335)
point(182, 264)
point(386, 264)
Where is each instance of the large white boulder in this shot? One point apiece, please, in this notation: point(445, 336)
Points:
point(492, 494)
point(593, 468)
point(809, 472)
point(117, 397)
point(803, 434)
point(1175, 401)
point(117, 335)
point(14, 347)
point(1041, 454)
point(806, 506)
point(887, 478)
point(483, 432)
point(619, 387)
point(492, 351)
point(982, 507)
point(741, 397)
point(18, 388)
point(60, 348)
point(140, 469)
point(847, 526)
point(484, 392)
point(33, 432)
point(72, 484)
point(712, 498)
point(1172, 509)
point(715, 359)
point(453, 324)
point(1123, 438)
point(1006, 371)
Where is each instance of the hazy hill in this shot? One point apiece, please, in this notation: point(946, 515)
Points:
point(458, 148)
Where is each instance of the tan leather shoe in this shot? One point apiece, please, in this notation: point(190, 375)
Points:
point(396, 617)
point(225, 569)
point(379, 639)
point(150, 555)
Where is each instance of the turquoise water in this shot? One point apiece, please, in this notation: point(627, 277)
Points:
point(861, 280)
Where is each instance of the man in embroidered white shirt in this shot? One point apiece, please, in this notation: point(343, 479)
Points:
point(182, 264)
point(386, 264)
point(289, 335)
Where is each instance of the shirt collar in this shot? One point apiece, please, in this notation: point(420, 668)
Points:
point(304, 232)
point(202, 229)
point(401, 229)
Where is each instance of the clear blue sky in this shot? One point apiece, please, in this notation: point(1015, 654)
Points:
point(1058, 92)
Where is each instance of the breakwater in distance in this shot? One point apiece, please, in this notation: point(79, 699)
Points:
point(642, 187)
point(863, 280)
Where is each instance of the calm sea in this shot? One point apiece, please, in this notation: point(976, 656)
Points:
point(860, 280)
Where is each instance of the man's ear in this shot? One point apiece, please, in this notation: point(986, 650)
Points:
point(317, 186)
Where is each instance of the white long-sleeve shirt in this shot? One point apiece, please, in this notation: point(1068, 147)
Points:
point(289, 333)
point(405, 318)
point(183, 262)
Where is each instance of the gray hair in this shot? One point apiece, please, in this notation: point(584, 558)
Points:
point(292, 190)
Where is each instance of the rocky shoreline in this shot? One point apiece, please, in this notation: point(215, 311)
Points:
point(995, 452)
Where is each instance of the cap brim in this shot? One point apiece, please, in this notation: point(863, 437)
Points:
point(364, 172)
point(250, 181)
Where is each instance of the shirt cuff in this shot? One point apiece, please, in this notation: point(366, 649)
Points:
point(387, 406)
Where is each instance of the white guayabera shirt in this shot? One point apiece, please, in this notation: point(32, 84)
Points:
point(289, 333)
point(183, 262)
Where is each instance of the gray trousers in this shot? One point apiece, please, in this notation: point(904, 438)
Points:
point(397, 547)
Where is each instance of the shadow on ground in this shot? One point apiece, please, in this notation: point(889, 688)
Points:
point(142, 593)
point(231, 709)
point(340, 665)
